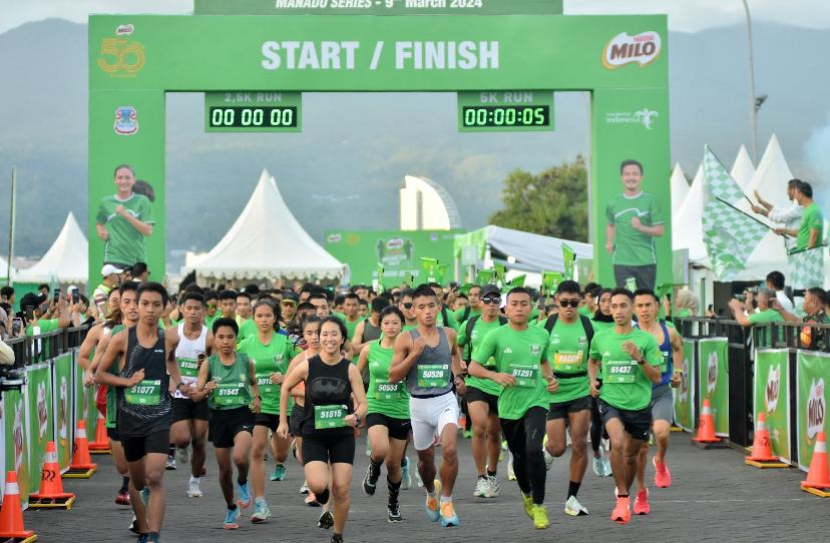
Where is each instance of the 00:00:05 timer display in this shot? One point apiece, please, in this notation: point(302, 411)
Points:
point(506, 115)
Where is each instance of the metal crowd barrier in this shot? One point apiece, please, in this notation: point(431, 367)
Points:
point(30, 350)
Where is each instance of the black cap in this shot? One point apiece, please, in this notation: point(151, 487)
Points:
point(491, 290)
point(32, 299)
point(290, 295)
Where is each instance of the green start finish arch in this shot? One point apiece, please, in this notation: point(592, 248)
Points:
point(622, 60)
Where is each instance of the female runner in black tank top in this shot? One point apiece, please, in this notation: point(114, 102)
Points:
point(335, 404)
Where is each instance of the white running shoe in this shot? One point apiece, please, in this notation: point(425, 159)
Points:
point(406, 475)
point(599, 467)
point(492, 488)
point(182, 455)
point(304, 488)
point(481, 487)
point(193, 490)
point(548, 459)
point(574, 508)
point(511, 475)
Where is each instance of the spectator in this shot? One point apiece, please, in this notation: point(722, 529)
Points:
point(42, 324)
point(140, 272)
point(685, 304)
point(775, 281)
point(815, 307)
point(43, 289)
point(809, 233)
point(7, 295)
point(790, 215)
point(6, 355)
point(111, 278)
point(764, 315)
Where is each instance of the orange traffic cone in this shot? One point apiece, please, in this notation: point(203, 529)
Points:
point(51, 487)
point(762, 456)
point(101, 445)
point(818, 480)
point(82, 466)
point(11, 516)
point(706, 429)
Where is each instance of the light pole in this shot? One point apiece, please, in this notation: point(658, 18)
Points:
point(753, 105)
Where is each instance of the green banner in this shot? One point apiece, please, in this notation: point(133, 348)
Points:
point(684, 395)
point(569, 256)
point(63, 396)
point(16, 436)
point(771, 396)
point(713, 369)
point(813, 374)
point(39, 396)
point(377, 7)
point(84, 404)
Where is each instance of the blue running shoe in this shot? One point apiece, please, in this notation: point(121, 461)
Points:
point(230, 519)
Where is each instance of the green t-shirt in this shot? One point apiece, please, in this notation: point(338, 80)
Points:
point(125, 244)
point(631, 247)
point(568, 352)
point(521, 355)
point(247, 329)
point(383, 397)
point(44, 326)
point(351, 326)
point(451, 322)
point(480, 330)
point(458, 314)
point(811, 219)
point(600, 325)
point(683, 313)
point(624, 383)
point(765, 317)
point(233, 385)
point(268, 359)
point(585, 311)
point(209, 320)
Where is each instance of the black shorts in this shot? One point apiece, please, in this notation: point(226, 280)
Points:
point(335, 448)
point(113, 434)
point(295, 421)
point(636, 423)
point(224, 424)
point(561, 410)
point(187, 409)
point(136, 448)
point(398, 428)
point(475, 395)
point(268, 420)
point(644, 276)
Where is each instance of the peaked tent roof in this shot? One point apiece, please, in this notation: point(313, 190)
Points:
point(687, 223)
point(679, 188)
point(66, 259)
point(771, 177)
point(743, 169)
point(266, 241)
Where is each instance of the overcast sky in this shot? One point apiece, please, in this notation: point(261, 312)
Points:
point(687, 15)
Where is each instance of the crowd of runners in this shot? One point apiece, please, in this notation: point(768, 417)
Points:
point(265, 375)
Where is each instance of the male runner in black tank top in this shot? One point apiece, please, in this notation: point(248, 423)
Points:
point(145, 381)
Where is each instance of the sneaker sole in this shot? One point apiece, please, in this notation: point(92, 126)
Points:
point(191, 495)
point(230, 526)
point(450, 524)
point(258, 520)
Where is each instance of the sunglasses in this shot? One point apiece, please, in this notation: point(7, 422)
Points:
point(491, 300)
point(407, 306)
point(569, 303)
point(289, 303)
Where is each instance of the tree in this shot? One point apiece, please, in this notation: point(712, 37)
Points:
point(552, 203)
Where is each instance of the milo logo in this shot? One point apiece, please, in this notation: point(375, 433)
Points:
point(772, 389)
point(623, 49)
point(712, 372)
point(815, 409)
point(395, 251)
point(334, 238)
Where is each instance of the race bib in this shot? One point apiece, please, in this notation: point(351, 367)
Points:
point(621, 372)
point(230, 394)
point(265, 384)
point(384, 390)
point(330, 416)
point(568, 362)
point(144, 393)
point(526, 376)
point(433, 376)
point(188, 367)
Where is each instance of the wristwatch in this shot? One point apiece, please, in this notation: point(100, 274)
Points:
point(357, 419)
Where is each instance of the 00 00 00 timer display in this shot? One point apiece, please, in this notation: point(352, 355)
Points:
point(253, 117)
point(515, 116)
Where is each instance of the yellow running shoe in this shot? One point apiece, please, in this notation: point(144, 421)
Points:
point(540, 517)
point(528, 503)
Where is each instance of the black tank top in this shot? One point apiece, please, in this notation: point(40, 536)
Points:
point(370, 331)
point(136, 419)
point(326, 385)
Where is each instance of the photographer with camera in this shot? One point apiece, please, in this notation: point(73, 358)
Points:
point(765, 314)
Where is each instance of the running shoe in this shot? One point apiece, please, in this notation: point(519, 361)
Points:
point(304, 489)
point(527, 501)
point(662, 477)
point(231, 518)
point(432, 503)
point(122, 498)
point(193, 490)
point(182, 455)
point(336, 538)
point(279, 473)
point(448, 516)
point(621, 513)
point(481, 487)
point(492, 488)
point(418, 479)
point(368, 447)
point(370, 482)
point(326, 520)
point(133, 525)
point(311, 500)
point(574, 508)
point(244, 501)
point(171, 463)
point(599, 466)
point(145, 495)
point(548, 459)
point(406, 477)
point(607, 471)
point(261, 511)
point(504, 444)
point(540, 517)
point(143, 538)
point(511, 475)
point(641, 506)
point(467, 434)
point(393, 509)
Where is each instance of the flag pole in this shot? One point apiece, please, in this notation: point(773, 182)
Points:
point(11, 225)
point(748, 215)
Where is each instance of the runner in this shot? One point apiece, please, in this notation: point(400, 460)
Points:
point(229, 383)
point(270, 352)
point(288, 308)
point(194, 342)
point(473, 306)
point(630, 360)
point(387, 419)
point(570, 337)
point(368, 330)
point(145, 375)
point(212, 308)
point(329, 420)
point(405, 304)
point(427, 358)
point(483, 394)
point(244, 309)
point(351, 307)
point(227, 304)
point(444, 317)
point(662, 403)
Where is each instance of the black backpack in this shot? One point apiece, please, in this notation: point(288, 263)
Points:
point(586, 324)
point(469, 335)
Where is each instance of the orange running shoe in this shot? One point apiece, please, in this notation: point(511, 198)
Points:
point(641, 506)
point(662, 477)
point(621, 513)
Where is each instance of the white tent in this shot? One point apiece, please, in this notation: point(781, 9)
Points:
point(679, 188)
point(4, 268)
point(266, 242)
point(687, 223)
point(771, 177)
point(65, 261)
point(742, 169)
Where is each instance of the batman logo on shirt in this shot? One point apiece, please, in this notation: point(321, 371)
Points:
point(327, 387)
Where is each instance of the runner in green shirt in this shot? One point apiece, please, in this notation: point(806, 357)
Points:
point(520, 353)
point(123, 221)
point(602, 318)
point(472, 309)
point(445, 317)
point(570, 405)
point(351, 317)
point(387, 417)
point(633, 219)
point(212, 308)
point(405, 304)
point(483, 394)
point(630, 360)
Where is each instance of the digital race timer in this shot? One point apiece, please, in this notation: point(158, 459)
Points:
point(253, 111)
point(506, 111)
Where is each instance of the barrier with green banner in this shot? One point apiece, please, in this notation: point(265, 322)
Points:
point(713, 370)
point(15, 430)
point(771, 396)
point(85, 404)
point(684, 395)
point(813, 373)
point(63, 396)
point(40, 426)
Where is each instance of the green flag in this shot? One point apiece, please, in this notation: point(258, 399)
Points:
point(550, 281)
point(518, 281)
point(663, 289)
point(429, 266)
point(569, 255)
point(807, 267)
point(500, 272)
point(379, 273)
point(409, 279)
point(484, 277)
point(442, 272)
